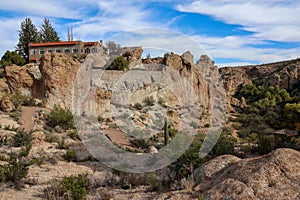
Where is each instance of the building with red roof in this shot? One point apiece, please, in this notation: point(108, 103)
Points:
point(76, 49)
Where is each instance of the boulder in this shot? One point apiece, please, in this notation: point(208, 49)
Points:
point(6, 105)
point(272, 176)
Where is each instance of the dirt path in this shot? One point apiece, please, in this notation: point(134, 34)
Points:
point(118, 137)
point(27, 117)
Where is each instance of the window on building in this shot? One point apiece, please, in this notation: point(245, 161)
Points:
point(94, 50)
point(87, 50)
point(58, 50)
point(33, 52)
point(42, 51)
point(50, 50)
point(75, 50)
point(67, 50)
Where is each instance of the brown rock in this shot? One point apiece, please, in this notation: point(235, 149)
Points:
point(7, 105)
point(38, 137)
point(133, 55)
point(59, 72)
point(272, 176)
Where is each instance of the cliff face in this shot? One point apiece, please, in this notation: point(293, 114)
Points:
point(88, 87)
point(59, 72)
point(284, 74)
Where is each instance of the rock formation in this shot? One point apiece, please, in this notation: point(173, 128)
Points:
point(272, 176)
point(133, 55)
point(284, 74)
point(26, 79)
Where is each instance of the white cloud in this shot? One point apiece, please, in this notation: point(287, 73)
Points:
point(241, 48)
point(114, 16)
point(54, 8)
point(269, 19)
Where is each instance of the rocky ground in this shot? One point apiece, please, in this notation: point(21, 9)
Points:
point(273, 176)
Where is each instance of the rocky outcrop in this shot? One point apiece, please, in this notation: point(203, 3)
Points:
point(59, 73)
point(133, 55)
point(285, 74)
point(272, 176)
point(26, 79)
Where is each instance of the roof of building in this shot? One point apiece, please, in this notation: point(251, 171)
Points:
point(61, 43)
point(45, 44)
point(89, 43)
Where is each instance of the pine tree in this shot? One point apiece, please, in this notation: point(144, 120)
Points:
point(27, 34)
point(47, 32)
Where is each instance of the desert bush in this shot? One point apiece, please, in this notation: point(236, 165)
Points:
point(19, 100)
point(15, 165)
point(138, 106)
point(10, 128)
point(61, 143)
point(184, 166)
point(75, 186)
point(70, 155)
point(61, 117)
point(224, 145)
point(149, 101)
point(120, 63)
point(74, 134)
point(53, 192)
point(140, 143)
point(154, 183)
point(265, 144)
point(22, 138)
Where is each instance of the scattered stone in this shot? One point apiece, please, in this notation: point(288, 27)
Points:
point(153, 149)
point(58, 129)
point(38, 137)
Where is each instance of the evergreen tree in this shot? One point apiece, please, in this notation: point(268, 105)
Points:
point(47, 32)
point(10, 58)
point(27, 34)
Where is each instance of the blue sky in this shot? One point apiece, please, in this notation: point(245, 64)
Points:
point(231, 32)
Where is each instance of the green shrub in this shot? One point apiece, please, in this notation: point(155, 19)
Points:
point(140, 143)
point(75, 186)
point(70, 188)
point(73, 134)
point(16, 166)
point(265, 144)
point(224, 145)
point(10, 128)
point(153, 182)
point(22, 138)
point(19, 100)
point(138, 106)
point(61, 143)
point(71, 155)
point(61, 117)
point(149, 101)
point(184, 166)
point(120, 63)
